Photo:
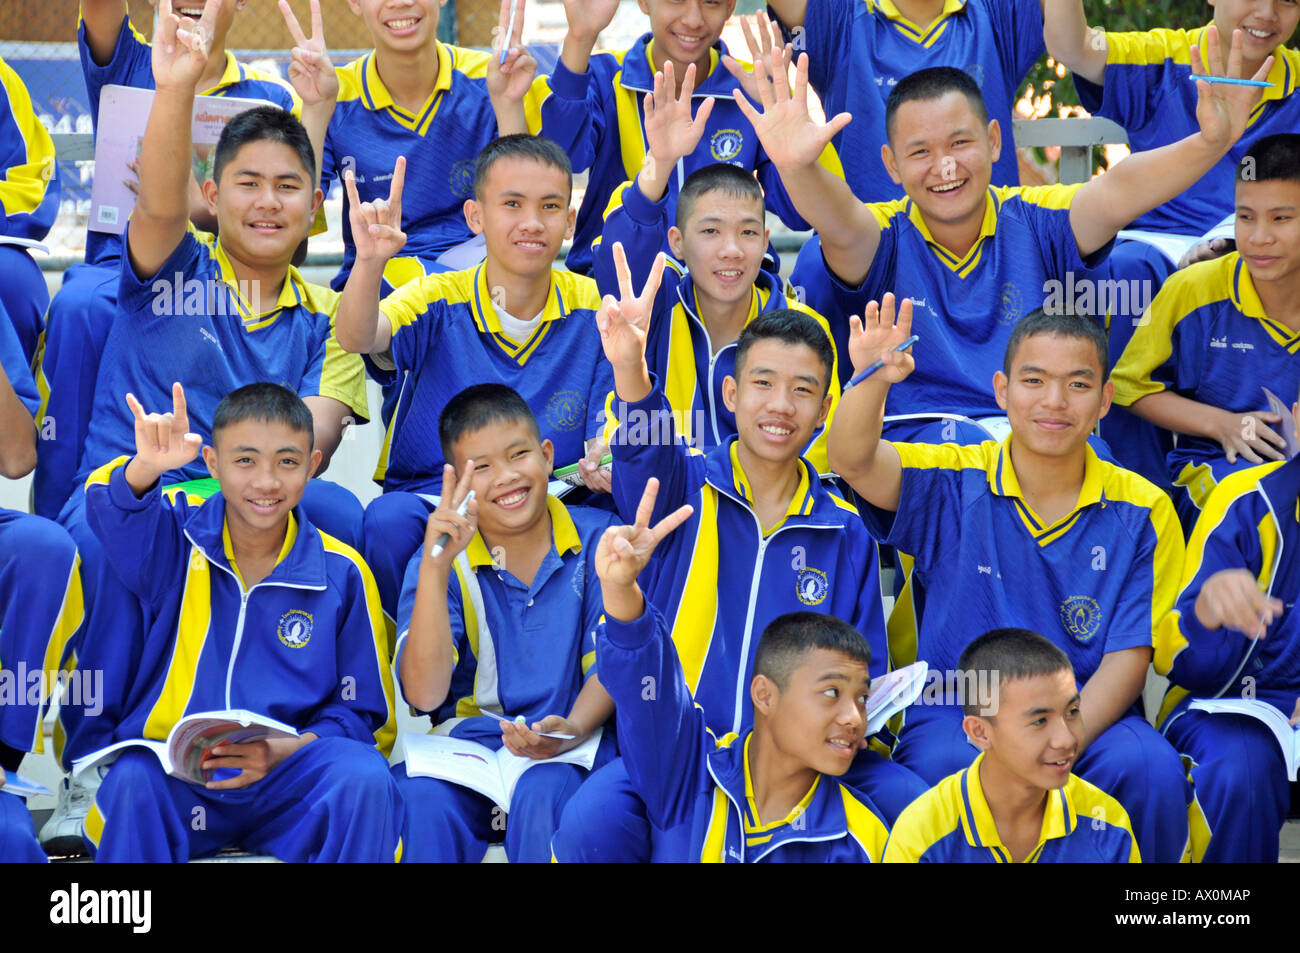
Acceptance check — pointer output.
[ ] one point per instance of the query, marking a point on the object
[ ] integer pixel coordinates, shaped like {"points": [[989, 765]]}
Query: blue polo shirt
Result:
{"points": [[1097, 580], [29, 187], [447, 336], [1206, 337], [191, 323], [964, 307], [1148, 93], [952, 824], [858, 50], [606, 138], [1252, 522], [518, 649], [132, 65]]}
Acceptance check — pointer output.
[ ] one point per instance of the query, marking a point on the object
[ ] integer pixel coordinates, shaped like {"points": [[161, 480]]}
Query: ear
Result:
{"points": [[355, 6], [1000, 383], [316, 199], [548, 454], [891, 166], [209, 191], [1295, 414], [314, 463], [826, 409], [977, 730], [729, 392], [210, 458], [240, 4], [995, 139], [764, 693], [474, 216], [1107, 397], [644, 6], [572, 222], [675, 241]]}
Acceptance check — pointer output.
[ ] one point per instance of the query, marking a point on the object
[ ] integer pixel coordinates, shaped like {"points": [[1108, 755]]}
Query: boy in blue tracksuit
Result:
{"points": [[605, 138], [1036, 532], [1018, 802], [1235, 631], [769, 793], [765, 538], [716, 283], [251, 607], [501, 634], [1220, 331]]}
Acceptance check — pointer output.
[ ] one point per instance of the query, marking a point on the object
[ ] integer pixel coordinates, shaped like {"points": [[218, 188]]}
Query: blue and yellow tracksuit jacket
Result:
{"points": [[307, 645], [697, 789]]}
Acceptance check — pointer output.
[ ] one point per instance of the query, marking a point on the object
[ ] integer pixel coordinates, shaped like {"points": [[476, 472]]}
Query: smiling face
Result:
{"points": [[685, 29], [819, 717], [522, 209], [1264, 24], [1268, 229], [263, 468], [722, 245], [1033, 740], [264, 204], [511, 470], [1055, 393], [400, 25], [779, 396], [942, 154]]}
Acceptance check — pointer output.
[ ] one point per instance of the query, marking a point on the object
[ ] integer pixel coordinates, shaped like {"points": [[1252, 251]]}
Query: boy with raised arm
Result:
{"points": [[513, 320], [498, 643], [766, 794], [1090, 551], [251, 607], [717, 282], [1235, 632], [1220, 331], [1018, 802], [765, 538], [975, 258]]}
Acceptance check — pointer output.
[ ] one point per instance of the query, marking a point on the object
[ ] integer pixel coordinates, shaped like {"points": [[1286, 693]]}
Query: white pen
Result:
{"points": [[445, 538], [510, 29]]}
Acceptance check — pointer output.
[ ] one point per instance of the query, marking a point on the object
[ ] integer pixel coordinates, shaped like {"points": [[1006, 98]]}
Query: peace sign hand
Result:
{"points": [[163, 441], [624, 551], [310, 71], [624, 322], [377, 226]]}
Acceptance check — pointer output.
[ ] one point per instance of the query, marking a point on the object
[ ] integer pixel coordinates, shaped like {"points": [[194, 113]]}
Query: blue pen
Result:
{"points": [[870, 369], [510, 29], [1228, 81]]}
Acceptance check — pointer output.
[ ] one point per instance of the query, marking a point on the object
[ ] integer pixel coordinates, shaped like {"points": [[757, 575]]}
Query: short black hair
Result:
{"points": [[257, 124], [477, 407], [788, 638], [792, 327], [1005, 655], [267, 402], [1271, 157], [522, 146], [719, 177], [934, 83], [1071, 325]]}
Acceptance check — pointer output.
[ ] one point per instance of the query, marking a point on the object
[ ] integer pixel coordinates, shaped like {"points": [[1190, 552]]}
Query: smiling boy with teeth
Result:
{"points": [[1091, 552], [1018, 802]]}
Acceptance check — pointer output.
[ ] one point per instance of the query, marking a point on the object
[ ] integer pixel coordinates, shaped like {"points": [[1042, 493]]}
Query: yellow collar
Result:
{"points": [[231, 75], [699, 80], [1003, 482], [987, 228], [915, 30], [291, 291], [801, 503], [563, 532], [378, 97], [1245, 298], [290, 534], [753, 824], [1059, 818]]}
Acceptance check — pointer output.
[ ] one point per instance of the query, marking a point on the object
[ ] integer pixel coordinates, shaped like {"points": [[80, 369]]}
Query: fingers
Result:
{"points": [[651, 287], [317, 23], [350, 186], [136, 410], [291, 21], [179, 408], [624, 273], [395, 188], [701, 117], [646, 507], [671, 522], [462, 485]]}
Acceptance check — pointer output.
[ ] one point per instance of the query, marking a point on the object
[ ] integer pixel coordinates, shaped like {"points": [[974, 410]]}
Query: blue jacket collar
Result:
{"points": [[770, 289], [303, 567], [638, 75], [815, 509], [1282, 490]]}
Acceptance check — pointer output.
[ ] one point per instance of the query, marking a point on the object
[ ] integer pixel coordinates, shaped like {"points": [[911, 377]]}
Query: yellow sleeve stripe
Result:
{"points": [[1149, 47], [24, 185], [103, 474]]}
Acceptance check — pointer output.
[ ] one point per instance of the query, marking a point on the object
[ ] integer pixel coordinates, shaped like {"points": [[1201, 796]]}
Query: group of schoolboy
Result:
{"points": [[713, 608]]}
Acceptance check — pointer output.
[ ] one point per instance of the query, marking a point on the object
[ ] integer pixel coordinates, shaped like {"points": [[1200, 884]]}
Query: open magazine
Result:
{"points": [[892, 692], [1288, 738], [123, 114], [493, 774], [181, 755]]}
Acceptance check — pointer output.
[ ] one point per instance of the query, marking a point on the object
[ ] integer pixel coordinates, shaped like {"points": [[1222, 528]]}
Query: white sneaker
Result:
{"points": [[61, 834]]}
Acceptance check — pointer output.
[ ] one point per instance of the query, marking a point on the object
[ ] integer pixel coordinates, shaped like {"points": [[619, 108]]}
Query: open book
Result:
{"points": [[892, 692], [1285, 426], [493, 774], [1288, 738], [123, 114], [15, 784], [181, 755]]}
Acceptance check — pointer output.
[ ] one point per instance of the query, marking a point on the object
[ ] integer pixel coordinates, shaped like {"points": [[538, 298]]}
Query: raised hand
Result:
{"points": [[623, 551], [874, 336], [785, 127], [377, 226], [445, 519], [1223, 110], [163, 441], [310, 71], [624, 322], [181, 46], [761, 38], [509, 81], [669, 129], [588, 18]]}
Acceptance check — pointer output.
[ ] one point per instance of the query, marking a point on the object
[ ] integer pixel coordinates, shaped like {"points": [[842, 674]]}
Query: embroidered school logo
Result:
{"points": [[811, 586], [564, 412], [462, 178], [1081, 617], [1012, 304], [726, 144], [294, 629]]}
